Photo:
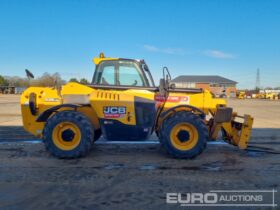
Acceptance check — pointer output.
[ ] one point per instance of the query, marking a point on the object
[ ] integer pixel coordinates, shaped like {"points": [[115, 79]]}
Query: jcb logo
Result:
{"points": [[114, 111]]}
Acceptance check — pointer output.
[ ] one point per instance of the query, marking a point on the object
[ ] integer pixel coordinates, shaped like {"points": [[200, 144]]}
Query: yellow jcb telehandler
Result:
{"points": [[271, 96], [123, 103], [241, 95]]}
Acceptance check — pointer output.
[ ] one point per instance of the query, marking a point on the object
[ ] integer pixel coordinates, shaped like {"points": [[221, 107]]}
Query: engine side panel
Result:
{"points": [[125, 114]]}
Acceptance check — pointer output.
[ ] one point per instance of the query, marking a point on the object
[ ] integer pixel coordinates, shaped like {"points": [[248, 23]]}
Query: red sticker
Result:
{"points": [[159, 98], [172, 99]]}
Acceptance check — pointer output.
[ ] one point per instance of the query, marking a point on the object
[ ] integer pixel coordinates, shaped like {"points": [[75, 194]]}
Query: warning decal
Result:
{"points": [[173, 99]]}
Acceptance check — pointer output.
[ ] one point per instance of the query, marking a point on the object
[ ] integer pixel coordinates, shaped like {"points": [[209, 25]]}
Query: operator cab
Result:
{"points": [[123, 72]]}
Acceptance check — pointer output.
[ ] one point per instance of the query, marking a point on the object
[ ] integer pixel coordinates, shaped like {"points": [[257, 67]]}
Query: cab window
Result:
{"points": [[105, 74], [119, 73], [130, 75], [108, 76]]}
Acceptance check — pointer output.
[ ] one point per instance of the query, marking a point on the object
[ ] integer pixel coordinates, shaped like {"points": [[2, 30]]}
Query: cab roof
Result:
{"points": [[101, 58]]}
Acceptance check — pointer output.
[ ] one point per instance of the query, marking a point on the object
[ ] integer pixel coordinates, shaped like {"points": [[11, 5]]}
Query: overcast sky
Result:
{"points": [[230, 38]]}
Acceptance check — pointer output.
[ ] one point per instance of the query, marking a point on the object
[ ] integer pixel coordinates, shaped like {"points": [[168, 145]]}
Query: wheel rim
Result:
{"points": [[66, 136], [184, 136]]}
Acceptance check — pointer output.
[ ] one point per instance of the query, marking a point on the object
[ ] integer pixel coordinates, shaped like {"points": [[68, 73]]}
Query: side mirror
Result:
{"points": [[29, 74]]}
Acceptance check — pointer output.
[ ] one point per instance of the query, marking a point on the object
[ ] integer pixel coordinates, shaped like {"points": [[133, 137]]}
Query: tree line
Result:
{"points": [[46, 80]]}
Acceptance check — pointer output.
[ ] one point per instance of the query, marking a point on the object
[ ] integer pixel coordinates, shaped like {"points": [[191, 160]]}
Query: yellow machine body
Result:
{"points": [[134, 112], [96, 99], [241, 95], [271, 96]]}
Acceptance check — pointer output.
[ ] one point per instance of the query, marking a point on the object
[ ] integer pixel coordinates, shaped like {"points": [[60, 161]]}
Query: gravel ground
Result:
{"points": [[122, 176]]}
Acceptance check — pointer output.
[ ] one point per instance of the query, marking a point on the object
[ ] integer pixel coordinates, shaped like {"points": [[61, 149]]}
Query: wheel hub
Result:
{"points": [[183, 136], [68, 135]]}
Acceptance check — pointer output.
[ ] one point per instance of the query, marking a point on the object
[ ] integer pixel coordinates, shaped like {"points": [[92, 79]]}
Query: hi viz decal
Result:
{"points": [[114, 111], [173, 99]]}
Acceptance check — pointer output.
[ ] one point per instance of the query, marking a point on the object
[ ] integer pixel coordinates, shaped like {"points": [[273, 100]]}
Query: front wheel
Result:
{"points": [[184, 135], [68, 134]]}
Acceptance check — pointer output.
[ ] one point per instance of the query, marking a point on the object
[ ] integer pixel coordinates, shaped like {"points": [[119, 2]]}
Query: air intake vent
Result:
{"points": [[107, 95]]}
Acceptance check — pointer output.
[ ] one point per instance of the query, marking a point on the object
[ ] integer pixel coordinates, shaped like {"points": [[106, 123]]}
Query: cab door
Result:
{"points": [[144, 104], [135, 100]]}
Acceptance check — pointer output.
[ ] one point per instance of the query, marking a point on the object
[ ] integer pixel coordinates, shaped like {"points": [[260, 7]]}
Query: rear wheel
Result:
{"points": [[68, 134], [184, 135]]}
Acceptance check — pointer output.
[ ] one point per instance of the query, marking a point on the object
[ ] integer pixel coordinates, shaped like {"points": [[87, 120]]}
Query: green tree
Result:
{"points": [[18, 81], [48, 80], [3, 81], [73, 80], [84, 81]]}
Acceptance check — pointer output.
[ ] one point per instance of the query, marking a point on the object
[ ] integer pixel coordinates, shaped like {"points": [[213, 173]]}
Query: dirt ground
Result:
{"points": [[126, 176]]}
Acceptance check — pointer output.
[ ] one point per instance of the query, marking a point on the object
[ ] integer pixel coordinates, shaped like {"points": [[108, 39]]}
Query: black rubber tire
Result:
{"points": [[83, 123], [180, 117]]}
